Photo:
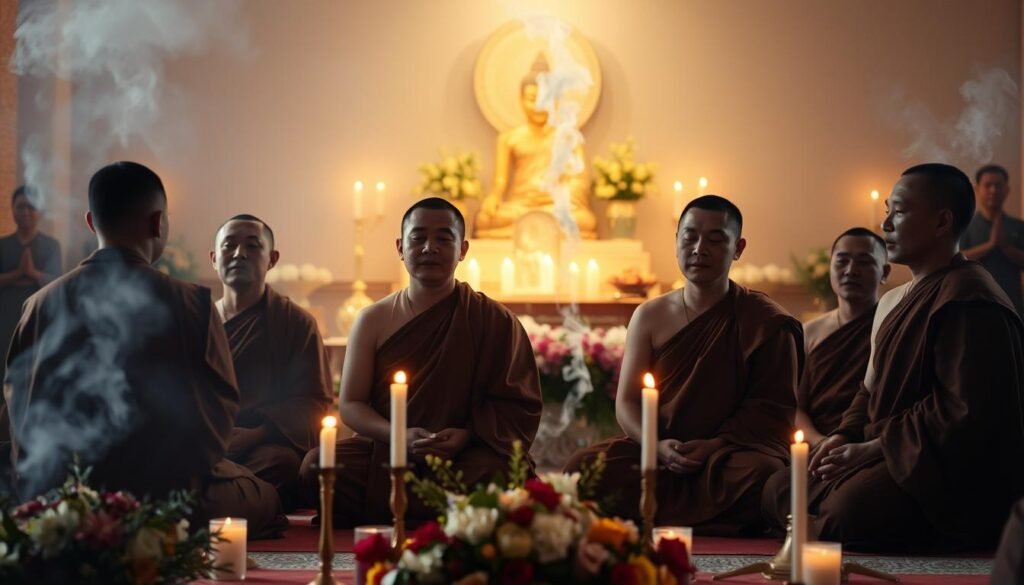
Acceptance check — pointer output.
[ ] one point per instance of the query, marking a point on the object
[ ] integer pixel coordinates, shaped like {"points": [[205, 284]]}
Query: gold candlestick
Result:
{"points": [[326, 576], [399, 503], [648, 506], [359, 299]]}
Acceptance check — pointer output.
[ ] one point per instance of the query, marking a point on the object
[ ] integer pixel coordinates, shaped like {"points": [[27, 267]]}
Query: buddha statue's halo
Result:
{"points": [[509, 59]]}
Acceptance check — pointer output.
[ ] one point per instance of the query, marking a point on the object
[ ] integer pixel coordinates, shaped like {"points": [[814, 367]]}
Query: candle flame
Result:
{"points": [[358, 186], [703, 182], [329, 422], [400, 377], [799, 437], [874, 195], [648, 380], [380, 185], [678, 185]]}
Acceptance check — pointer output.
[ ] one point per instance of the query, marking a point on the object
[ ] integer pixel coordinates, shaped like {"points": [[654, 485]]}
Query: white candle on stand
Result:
{"points": [[574, 281], [547, 274], [677, 202], [473, 274], [823, 562], [798, 503], [508, 276], [328, 437], [380, 199], [399, 396], [649, 419], [593, 279], [875, 226], [357, 200], [229, 552]]}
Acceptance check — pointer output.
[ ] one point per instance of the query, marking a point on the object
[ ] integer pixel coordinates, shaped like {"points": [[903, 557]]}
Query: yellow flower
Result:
{"points": [[621, 185], [376, 573], [470, 188], [615, 172], [608, 532], [605, 191], [628, 165], [435, 186], [641, 172], [637, 188], [449, 182], [646, 573], [451, 165], [433, 171]]}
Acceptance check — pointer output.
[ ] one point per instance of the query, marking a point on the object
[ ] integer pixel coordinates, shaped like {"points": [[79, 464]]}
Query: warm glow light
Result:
{"points": [[399, 377], [798, 437], [874, 195], [227, 521], [648, 380], [678, 185], [592, 263], [380, 185], [574, 267], [358, 186], [507, 262], [703, 182], [329, 422]]}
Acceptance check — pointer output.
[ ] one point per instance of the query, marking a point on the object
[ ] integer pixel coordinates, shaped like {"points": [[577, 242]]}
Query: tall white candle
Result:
{"points": [[798, 503], [823, 563], [473, 274], [229, 552], [547, 274], [677, 202], [380, 199], [703, 182], [328, 437], [508, 276], [649, 419], [357, 200], [574, 281], [593, 279], [875, 224], [399, 395]]}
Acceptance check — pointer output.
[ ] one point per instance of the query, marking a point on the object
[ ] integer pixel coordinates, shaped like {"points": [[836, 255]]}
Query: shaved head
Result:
{"points": [[123, 194], [267, 232]]}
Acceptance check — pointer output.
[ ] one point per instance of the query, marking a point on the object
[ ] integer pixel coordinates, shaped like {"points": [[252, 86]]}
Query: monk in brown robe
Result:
{"points": [[838, 343], [473, 383], [927, 455], [129, 369], [1008, 566], [280, 360], [726, 360]]}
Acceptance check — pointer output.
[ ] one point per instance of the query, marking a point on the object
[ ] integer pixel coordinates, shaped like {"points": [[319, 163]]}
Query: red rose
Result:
{"points": [[673, 554], [517, 572], [523, 516], [543, 493], [372, 549], [120, 502], [624, 574], [426, 535]]}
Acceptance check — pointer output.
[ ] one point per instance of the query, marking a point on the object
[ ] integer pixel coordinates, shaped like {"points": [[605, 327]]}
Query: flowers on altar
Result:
{"points": [[454, 177], [620, 177], [77, 535], [177, 261], [602, 351], [293, 273], [536, 530], [813, 273]]}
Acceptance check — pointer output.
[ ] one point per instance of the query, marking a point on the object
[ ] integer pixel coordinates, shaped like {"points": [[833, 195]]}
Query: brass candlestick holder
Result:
{"points": [[648, 506], [399, 504], [359, 300], [326, 576]]}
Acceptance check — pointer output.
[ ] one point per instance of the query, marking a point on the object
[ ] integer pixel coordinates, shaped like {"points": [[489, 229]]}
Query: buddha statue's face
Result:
{"points": [[528, 98]]}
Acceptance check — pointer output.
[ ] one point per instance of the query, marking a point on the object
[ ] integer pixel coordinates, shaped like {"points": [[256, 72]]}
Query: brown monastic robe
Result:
{"points": [[1008, 566], [129, 369], [946, 404], [470, 365], [284, 378], [834, 372], [731, 373]]}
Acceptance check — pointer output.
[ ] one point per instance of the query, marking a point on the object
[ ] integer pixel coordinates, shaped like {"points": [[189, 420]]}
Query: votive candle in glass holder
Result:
{"points": [[823, 563], [228, 541], [683, 533], [364, 532]]}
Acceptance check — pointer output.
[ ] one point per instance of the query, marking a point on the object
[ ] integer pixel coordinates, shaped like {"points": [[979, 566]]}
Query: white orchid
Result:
{"points": [[471, 523], [426, 564], [564, 483], [52, 529]]}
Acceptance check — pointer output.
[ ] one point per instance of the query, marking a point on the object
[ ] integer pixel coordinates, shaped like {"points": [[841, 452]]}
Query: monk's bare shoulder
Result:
{"points": [[818, 329], [375, 318], [890, 300]]}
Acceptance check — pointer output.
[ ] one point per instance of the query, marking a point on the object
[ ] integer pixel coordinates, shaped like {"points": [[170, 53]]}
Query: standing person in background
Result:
{"points": [[994, 238]]}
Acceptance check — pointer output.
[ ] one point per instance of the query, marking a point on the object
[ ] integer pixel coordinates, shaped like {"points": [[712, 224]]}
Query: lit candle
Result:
{"points": [[574, 281], [228, 548], [473, 274], [357, 200], [547, 274], [508, 276], [593, 279], [677, 204], [823, 563], [649, 418], [683, 533], [798, 502], [703, 182], [874, 210], [380, 199], [399, 395], [328, 437]]}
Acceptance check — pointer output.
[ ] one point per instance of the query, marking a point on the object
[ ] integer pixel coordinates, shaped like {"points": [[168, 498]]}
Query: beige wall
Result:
{"points": [[8, 116], [778, 103]]}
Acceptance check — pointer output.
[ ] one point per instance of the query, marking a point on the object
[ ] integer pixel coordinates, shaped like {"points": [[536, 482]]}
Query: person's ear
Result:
{"points": [[398, 246], [155, 224], [274, 257], [740, 246], [88, 221], [213, 259], [464, 249], [886, 270]]}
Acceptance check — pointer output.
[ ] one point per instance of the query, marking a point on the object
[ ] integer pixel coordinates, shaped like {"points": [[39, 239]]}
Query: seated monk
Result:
{"points": [[473, 384], [926, 455], [727, 361], [838, 343], [280, 360], [129, 369]]}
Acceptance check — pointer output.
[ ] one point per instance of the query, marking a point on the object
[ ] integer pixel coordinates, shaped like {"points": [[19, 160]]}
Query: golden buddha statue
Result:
{"points": [[523, 157]]}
